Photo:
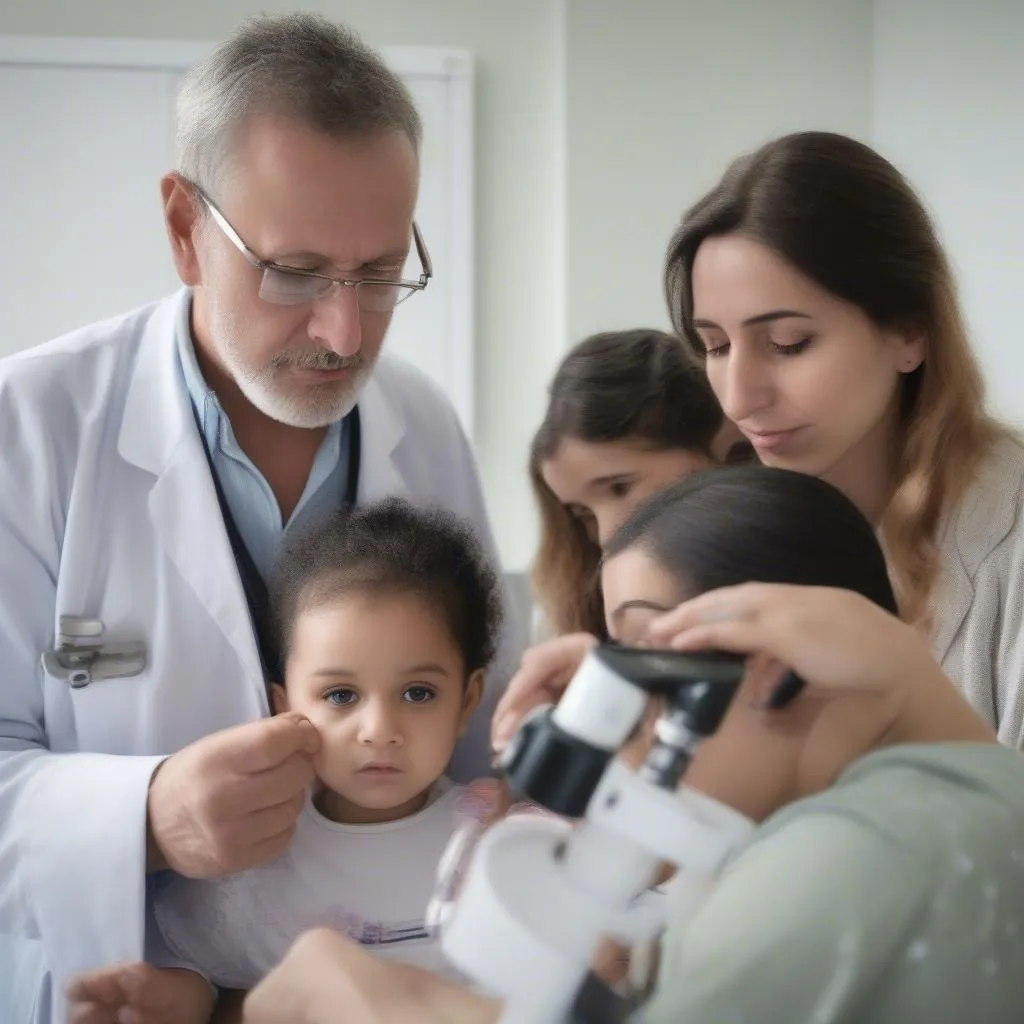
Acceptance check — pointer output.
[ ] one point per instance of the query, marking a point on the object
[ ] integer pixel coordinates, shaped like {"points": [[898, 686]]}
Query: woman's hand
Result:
{"points": [[834, 640], [544, 673], [326, 978]]}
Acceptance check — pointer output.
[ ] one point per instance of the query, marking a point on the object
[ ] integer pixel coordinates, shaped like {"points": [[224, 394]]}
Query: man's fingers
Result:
{"points": [[267, 822], [281, 783], [274, 741], [273, 845]]}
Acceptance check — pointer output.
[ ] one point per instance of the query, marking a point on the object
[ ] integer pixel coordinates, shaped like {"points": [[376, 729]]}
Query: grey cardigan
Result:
{"points": [[979, 602]]}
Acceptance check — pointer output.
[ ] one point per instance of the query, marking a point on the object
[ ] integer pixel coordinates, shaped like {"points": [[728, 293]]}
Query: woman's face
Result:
{"points": [[811, 381], [600, 483]]}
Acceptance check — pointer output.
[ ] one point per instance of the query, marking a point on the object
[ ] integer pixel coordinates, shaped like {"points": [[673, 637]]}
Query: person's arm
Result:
{"points": [[326, 978]]}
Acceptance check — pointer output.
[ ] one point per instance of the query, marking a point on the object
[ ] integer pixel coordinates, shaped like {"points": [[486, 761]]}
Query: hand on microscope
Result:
{"points": [[832, 639]]}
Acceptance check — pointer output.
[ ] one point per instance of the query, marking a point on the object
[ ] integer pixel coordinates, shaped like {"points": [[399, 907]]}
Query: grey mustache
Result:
{"points": [[321, 360]]}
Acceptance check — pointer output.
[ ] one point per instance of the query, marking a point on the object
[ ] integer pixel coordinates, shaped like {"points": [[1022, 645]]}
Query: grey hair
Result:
{"points": [[303, 67]]}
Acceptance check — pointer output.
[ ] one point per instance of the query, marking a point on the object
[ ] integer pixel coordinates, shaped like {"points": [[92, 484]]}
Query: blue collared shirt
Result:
{"points": [[249, 497]]}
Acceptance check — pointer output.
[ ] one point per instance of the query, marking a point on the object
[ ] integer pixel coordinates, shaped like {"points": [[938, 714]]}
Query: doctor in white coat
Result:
{"points": [[290, 217]]}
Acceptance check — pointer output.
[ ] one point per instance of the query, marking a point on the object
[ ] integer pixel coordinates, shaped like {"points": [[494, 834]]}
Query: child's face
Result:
{"points": [[381, 678]]}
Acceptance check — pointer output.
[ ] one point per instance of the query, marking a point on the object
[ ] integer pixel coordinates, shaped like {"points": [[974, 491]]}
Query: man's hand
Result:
{"points": [[326, 978], [231, 800], [139, 994]]}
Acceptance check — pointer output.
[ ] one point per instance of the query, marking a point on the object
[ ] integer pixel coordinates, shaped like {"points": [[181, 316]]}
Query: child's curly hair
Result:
{"points": [[392, 546]]}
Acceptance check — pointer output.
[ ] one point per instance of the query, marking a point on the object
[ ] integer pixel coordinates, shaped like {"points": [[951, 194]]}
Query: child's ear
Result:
{"points": [[471, 697], [278, 698]]}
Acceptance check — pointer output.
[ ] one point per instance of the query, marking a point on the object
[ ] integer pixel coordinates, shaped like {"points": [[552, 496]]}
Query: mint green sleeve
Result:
{"points": [[799, 929]]}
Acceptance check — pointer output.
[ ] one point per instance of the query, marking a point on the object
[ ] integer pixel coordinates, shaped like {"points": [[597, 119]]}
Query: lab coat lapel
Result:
{"points": [[159, 434]]}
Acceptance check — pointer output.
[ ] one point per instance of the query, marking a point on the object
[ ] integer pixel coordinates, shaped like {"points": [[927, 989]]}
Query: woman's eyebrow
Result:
{"points": [[761, 318]]}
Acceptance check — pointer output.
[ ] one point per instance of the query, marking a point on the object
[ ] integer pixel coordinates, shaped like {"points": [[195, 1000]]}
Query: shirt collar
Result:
{"points": [[205, 403]]}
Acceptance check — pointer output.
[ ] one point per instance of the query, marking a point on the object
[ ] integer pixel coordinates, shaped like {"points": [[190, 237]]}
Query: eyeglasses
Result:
{"points": [[293, 286]]}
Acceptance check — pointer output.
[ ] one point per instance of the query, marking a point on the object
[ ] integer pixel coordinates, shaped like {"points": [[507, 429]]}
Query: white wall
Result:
{"points": [[949, 112], [661, 96]]}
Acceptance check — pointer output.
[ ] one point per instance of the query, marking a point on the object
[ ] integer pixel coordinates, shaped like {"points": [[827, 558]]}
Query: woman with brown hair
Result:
{"points": [[813, 284], [628, 413]]}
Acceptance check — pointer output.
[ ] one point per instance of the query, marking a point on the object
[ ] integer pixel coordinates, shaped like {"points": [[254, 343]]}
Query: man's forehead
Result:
{"points": [[273, 146], [348, 201]]}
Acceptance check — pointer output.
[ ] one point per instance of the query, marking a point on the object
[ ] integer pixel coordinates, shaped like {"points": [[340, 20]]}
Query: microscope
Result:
{"points": [[541, 890]]}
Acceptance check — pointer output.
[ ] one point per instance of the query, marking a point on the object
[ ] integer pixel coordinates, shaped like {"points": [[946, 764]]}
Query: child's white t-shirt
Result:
{"points": [[370, 882]]}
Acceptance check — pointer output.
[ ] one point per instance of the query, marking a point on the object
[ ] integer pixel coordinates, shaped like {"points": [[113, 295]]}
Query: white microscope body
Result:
{"points": [[540, 892]]}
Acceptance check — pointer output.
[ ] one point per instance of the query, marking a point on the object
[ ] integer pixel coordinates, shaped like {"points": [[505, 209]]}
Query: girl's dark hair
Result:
{"points": [[746, 524], [845, 218], [639, 385], [392, 547]]}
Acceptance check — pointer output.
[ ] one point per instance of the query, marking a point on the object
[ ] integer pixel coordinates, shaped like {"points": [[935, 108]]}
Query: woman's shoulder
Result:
{"points": [[991, 510], [906, 797]]}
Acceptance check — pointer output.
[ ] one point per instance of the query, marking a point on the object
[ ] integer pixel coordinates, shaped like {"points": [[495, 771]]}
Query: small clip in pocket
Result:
{"points": [[79, 657]]}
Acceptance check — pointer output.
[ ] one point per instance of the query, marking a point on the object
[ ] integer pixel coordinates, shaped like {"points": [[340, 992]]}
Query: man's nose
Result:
{"points": [[336, 323]]}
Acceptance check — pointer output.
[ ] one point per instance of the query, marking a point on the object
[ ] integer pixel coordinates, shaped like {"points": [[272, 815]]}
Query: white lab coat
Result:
{"points": [[107, 511]]}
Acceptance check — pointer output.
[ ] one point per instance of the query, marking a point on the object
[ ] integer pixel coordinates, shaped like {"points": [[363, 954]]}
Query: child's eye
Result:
{"points": [[340, 698], [621, 488], [418, 694]]}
